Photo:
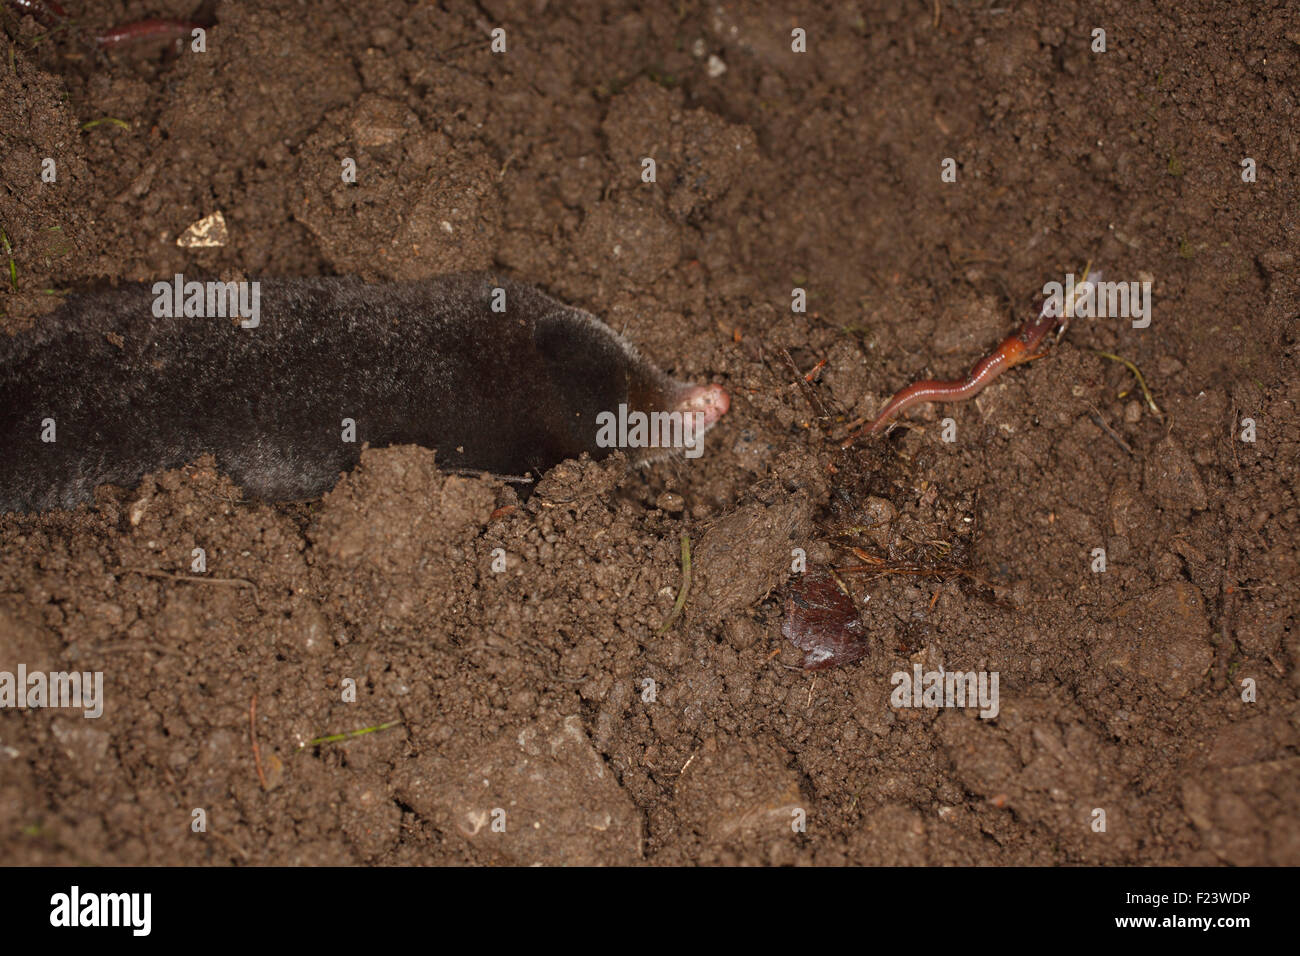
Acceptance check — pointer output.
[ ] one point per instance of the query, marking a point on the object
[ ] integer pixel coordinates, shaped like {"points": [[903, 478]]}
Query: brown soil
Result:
{"points": [[551, 691]]}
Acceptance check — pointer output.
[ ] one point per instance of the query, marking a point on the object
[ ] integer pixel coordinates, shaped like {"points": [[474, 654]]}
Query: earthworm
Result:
{"points": [[1014, 350], [153, 29]]}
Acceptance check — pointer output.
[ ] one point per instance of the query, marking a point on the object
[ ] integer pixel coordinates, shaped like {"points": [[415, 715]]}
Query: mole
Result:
{"points": [[494, 374]]}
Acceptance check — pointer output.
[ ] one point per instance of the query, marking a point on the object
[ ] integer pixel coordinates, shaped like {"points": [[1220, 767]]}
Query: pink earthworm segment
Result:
{"points": [[50, 11], [153, 29]]}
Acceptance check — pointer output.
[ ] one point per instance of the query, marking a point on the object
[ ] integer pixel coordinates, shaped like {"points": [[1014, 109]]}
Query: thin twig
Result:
{"points": [[106, 119], [686, 584], [348, 734], [228, 843], [479, 472], [1101, 420], [194, 579], [128, 646], [1137, 374], [13, 266], [1232, 440], [252, 735], [819, 409]]}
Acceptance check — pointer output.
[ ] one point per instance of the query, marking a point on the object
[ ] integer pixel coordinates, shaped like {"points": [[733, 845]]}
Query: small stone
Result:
{"points": [[1130, 510], [209, 232], [1133, 412], [741, 632], [671, 502], [136, 512], [273, 770], [1171, 478], [878, 517], [820, 552]]}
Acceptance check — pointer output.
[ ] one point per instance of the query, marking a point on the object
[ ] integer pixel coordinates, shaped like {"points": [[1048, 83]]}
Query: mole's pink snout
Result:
{"points": [[712, 400]]}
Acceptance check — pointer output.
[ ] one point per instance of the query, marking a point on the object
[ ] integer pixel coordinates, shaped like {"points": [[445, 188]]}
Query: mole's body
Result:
{"points": [[428, 363]]}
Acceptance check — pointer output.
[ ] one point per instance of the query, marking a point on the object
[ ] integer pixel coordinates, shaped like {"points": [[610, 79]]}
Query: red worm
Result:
{"points": [[152, 29], [1014, 350], [145, 30]]}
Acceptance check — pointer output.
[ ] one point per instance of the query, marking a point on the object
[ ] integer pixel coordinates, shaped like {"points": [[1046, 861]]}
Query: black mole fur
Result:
{"points": [[425, 363]]}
